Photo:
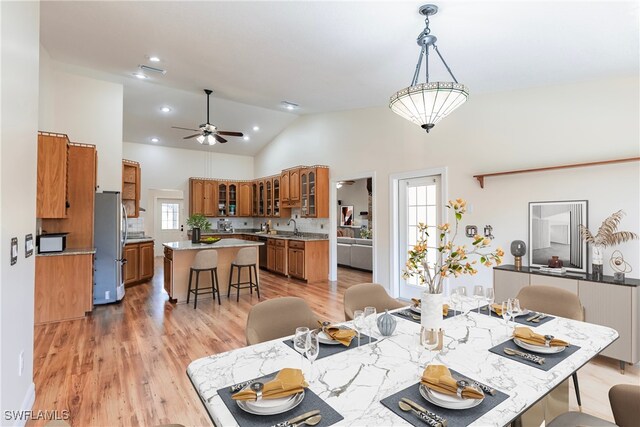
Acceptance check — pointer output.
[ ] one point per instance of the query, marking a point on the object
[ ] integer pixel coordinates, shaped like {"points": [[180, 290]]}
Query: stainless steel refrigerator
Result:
{"points": [[110, 236]]}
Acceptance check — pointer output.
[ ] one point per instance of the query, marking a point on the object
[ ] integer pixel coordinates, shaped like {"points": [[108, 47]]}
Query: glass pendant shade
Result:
{"points": [[211, 140], [200, 139], [426, 104]]}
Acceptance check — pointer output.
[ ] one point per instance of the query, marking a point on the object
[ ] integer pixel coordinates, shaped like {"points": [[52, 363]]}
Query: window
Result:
{"points": [[170, 216]]}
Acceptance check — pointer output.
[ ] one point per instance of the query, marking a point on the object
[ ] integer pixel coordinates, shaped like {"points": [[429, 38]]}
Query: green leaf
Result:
{"points": [[458, 216]]}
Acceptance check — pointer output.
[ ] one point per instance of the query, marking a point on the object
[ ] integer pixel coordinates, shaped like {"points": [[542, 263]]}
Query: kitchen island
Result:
{"points": [[179, 256]]}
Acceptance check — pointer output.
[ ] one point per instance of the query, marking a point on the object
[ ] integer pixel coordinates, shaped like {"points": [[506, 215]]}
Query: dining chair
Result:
{"points": [[277, 318], [364, 295], [557, 302], [624, 399]]}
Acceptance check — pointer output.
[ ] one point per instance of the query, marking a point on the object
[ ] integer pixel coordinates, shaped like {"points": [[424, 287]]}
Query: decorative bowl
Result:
{"points": [[210, 240]]}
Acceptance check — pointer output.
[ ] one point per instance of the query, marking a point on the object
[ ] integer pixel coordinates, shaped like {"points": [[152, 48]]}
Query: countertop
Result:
{"points": [[569, 275], [224, 243], [139, 240], [285, 235], [81, 251]]}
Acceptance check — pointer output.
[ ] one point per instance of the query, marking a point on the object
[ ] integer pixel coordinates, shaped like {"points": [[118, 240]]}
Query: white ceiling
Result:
{"points": [[326, 56]]}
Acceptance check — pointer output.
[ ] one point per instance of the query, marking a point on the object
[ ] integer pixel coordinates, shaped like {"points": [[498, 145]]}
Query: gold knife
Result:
{"points": [[297, 419], [420, 408]]}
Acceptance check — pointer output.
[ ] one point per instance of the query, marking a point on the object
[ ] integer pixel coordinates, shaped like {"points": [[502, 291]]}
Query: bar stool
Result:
{"points": [[205, 261], [246, 258]]}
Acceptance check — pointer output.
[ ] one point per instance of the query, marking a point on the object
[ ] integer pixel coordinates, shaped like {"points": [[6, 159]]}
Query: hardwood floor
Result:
{"points": [[126, 363]]}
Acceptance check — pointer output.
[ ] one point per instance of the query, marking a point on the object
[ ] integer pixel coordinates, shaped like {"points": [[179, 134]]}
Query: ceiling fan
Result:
{"points": [[208, 134]]}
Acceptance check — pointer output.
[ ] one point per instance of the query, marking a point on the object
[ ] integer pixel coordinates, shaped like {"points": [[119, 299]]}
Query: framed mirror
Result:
{"points": [[554, 230]]}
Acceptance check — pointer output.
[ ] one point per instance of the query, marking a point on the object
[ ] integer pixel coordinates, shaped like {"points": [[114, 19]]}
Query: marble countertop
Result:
{"points": [[139, 239], [81, 251], [353, 382], [224, 243], [307, 237]]}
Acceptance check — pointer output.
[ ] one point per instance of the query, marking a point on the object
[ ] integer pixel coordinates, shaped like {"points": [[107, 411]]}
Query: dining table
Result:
{"points": [[356, 381]]}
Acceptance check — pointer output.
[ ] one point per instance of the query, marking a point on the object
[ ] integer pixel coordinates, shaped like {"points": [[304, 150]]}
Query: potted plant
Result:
{"points": [[198, 223], [451, 261]]}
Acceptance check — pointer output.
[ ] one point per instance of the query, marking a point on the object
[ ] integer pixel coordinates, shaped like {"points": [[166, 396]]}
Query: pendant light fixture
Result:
{"points": [[425, 104]]}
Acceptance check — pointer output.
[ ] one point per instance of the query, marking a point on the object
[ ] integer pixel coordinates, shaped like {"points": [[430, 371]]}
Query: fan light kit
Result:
{"points": [[425, 104], [208, 134]]}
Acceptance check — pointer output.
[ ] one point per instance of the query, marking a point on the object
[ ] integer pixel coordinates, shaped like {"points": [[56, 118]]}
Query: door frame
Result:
{"points": [[333, 222], [150, 215], [394, 223]]}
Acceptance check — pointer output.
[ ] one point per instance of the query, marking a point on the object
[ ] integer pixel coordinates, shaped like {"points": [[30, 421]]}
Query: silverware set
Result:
{"points": [[536, 317], [310, 418], [430, 418], [409, 314], [238, 387], [527, 356]]}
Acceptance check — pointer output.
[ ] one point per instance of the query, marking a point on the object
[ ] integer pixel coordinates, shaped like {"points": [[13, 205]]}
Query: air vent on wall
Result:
{"points": [[153, 69]]}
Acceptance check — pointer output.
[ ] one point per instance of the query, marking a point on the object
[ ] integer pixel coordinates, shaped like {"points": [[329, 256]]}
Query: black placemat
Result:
{"points": [[404, 314], [550, 360], [455, 417], [520, 319], [331, 349], [310, 402]]}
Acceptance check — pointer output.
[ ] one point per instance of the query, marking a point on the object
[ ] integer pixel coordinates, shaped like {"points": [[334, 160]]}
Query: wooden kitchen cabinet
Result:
{"points": [[233, 199], [268, 188], [63, 287], [210, 201], [290, 188], [51, 196], [131, 187], [245, 194], [254, 196], [261, 198], [276, 197], [284, 187], [196, 196], [139, 265], [276, 256], [314, 192], [168, 271], [308, 260]]}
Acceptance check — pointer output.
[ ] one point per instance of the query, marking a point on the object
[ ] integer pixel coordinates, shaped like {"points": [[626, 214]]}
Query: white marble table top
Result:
{"points": [[185, 245], [353, 382]]}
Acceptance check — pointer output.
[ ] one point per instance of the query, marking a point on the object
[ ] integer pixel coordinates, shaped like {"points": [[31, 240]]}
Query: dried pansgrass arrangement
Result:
{"points": [[608, 234]]}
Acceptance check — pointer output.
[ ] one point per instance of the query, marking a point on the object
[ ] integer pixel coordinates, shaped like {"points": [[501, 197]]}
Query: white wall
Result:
{"points": [[19, 36], [88, 111], [573, 123]]}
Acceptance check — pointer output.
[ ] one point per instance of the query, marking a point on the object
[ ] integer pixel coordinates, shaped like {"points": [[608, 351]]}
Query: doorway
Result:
{"points": [[168, 218]]}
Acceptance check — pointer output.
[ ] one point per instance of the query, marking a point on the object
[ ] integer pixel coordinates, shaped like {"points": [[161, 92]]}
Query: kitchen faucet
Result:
{"points": [[296, 232]]}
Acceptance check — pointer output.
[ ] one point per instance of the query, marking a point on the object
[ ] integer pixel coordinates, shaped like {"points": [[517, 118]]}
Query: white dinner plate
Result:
{"points": [[523, 313], [447, 401], [538, 348], [271, 406], [416, 309], [324, 338]]}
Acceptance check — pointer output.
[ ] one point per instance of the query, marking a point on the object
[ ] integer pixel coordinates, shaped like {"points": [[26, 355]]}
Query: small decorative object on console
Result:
{"points": [[619, 266], [518, 250], [555, 262]]}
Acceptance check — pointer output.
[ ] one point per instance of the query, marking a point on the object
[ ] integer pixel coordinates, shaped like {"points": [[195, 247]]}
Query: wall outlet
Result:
{"points": [[21, 363], [245, 223], [321, 226]]}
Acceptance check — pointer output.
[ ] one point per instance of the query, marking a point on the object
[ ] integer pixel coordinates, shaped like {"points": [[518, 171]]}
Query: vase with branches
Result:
{"points": [[607, 235]]}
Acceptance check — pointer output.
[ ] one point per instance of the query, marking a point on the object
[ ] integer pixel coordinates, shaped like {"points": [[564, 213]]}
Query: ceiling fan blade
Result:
{"points": [[176, 127], [226, 133], [219, 138], [192, 136]]}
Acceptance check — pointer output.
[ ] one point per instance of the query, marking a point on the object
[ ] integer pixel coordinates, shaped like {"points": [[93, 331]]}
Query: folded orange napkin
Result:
{"points": [[286, 383], [527, 335], [445, 309], [343, 336], [497, 308], [438, 378], [416, 302]]}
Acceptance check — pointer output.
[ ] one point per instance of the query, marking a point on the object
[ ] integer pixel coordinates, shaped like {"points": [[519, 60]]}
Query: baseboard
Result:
{"points": [[27, 403]]}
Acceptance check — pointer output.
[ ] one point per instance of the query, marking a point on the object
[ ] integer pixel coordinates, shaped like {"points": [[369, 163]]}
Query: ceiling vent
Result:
{"points": [[149, 69]]}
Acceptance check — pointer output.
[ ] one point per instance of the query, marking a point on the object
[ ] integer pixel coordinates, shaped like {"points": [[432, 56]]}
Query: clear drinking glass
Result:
{"points": [[312, 349], [505, 314], [370, 320], [455, 300], [478, 295], [358, 322], [490, 296], [515, 310], [300, 341], [429, 340], [462, 293]]}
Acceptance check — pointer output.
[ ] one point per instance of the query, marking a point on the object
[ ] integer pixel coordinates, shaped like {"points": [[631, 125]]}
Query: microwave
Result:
{"points": [[53, 242]]}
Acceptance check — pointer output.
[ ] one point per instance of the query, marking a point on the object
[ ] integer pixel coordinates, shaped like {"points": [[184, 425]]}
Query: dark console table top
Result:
{"points": [[569, 275]]}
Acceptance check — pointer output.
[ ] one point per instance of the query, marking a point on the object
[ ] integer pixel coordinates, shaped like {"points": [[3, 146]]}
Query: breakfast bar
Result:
{"points": [[179, 257]]}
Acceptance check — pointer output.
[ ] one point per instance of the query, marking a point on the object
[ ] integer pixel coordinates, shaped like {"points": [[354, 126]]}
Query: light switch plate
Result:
{"points": [[470, 230], [14, 250], [28, 245]]}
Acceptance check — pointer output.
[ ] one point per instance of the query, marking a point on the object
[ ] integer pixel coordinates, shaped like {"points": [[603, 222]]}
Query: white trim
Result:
{"points": [[27, 404], [333, 222], [394, 256]]}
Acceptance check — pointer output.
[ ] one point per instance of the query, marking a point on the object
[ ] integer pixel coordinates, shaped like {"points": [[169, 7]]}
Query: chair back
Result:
{"points": [[625, 404], [555, 301], [357, 297], [246, 256], [206, 259], [277, 318]]}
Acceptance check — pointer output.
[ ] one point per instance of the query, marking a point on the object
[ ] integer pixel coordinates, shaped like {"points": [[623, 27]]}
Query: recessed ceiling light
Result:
{"points": [[154, 139], [289, 105], [256, 128], [246, 137], [154, 59], [140, 75], [165, 109]]}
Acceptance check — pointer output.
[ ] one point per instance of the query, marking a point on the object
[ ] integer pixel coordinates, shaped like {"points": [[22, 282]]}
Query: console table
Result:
{"points": [[606, 302]]}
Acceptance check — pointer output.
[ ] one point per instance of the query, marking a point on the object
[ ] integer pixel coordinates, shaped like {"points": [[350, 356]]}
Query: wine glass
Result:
{"points": [[429, 339], [515, 310], [300, 341], [312, 349], [370, 319], [490, 296], [462, 293], [478, 295], [358, 322], [455, 300], [505, 314]]}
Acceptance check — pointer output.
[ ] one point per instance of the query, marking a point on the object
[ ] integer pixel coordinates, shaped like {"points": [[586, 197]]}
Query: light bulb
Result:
{"points": [[200, 139], [211, 140]]}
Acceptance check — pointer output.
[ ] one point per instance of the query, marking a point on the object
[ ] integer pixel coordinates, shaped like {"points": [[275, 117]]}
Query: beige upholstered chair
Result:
{"points": [[625, 405], [277, 318], [364, 295], [557, 302]]}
